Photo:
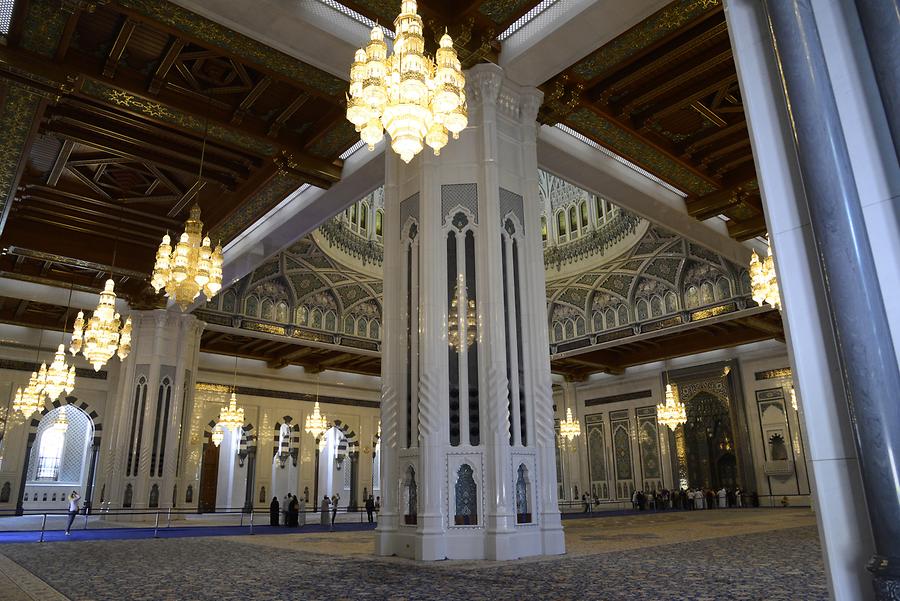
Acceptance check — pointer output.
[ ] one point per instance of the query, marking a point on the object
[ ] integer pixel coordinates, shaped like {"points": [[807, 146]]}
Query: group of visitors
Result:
{"points": [[292, 511], [694, 498]]}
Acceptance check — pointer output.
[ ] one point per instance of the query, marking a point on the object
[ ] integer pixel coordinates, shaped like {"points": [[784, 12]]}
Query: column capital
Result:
{"points": [[483, 83]]}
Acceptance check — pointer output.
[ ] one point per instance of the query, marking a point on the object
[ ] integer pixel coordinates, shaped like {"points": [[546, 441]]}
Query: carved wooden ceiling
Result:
{"points": [[110, 108], [665, 96]]}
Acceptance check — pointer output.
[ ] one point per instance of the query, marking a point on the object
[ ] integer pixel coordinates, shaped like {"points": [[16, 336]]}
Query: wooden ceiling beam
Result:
{"points": [[714, 203], [747, 228], [118, 48], [250, 98], [675, 102], [168, 59]]}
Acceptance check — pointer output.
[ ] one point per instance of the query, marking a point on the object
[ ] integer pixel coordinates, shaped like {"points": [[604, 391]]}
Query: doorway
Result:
{"points": [[209, 475]]}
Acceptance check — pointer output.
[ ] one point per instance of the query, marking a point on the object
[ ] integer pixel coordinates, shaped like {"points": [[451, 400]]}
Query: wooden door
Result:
{"points": [[209, 475]]}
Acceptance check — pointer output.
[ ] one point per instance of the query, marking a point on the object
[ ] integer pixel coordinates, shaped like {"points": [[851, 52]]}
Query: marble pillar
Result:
{"points": [[461, 422]]}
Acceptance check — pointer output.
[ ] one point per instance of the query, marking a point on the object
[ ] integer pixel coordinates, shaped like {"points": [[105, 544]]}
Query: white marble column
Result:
{"points": [[471, 215]]}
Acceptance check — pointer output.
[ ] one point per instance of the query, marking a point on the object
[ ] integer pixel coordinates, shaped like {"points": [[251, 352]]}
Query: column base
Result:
{"points": [[886, 580]]}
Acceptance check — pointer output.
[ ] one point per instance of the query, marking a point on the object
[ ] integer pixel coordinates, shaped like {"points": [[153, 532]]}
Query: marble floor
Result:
{"points": [[750, 554]]}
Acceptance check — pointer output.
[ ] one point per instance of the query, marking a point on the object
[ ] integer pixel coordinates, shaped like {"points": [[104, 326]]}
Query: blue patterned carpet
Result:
{"points": [[777, 565]]}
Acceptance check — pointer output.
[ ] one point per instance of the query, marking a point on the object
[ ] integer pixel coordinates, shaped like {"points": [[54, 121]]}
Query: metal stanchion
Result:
{"points": [[169, 518], [85, 520], [242, 520], [251, 521], [43, 525], [156, 527]]}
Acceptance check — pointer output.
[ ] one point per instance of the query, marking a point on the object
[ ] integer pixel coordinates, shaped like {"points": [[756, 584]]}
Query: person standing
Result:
{"points": [[74, 497], [723, 498], [285, 508], [274, 510], [323, 512], [737, 498], [334, 506], [370, 508]]}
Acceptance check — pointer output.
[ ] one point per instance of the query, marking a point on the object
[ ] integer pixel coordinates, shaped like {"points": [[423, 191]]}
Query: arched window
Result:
{"points": [[656, 307], [560, 224], [723, 289], [353, 215], [50, 453], [598, 208], [610, 317], [375, 330], [692, 297], [364, 218], [598, 321], [543, 228], [642, 310], [557, 331], [579, 326], [267, 310], [281, 312], [583, 210], [362, 327], [523, 515], [573, 220], [671, 302], [127, 497], [570, 329], [315, 318], [622, 317], [229, 301], [154, 496], [466, 513], [349, 325], [330, 321], [707, 296], [379, 223], [302, 315], [251, 306]]}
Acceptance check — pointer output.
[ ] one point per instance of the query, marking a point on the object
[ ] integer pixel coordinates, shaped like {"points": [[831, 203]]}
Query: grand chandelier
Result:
{"points": [[59, 377], [191, 268], [408, 94], [461, 334], [763, 281], [28, 401], [570, 427], [103, 335], [672, 413], [316, 422], [218, 435], [231, 416]]}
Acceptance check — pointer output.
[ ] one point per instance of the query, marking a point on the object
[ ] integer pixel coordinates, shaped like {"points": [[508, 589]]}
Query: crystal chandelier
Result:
{"points": [[28, 401], [456, 339], [191, 268], [59, 377], [218, 435], [103, 335], [62, 420], [416, 99], [231, 416], [672, 413], [570, 427], [763, 281], [316, 422]]}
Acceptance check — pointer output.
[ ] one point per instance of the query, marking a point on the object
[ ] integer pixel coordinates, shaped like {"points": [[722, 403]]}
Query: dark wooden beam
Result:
{"points": [[286, 114], [118, 48], [168, 59], [250, 98], [677, 101], [747, 228]]}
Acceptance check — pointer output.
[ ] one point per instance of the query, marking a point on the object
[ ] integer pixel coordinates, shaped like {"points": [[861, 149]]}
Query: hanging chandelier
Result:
{"points": [[416, 99], [570, 427], [191, 268], [104, 335], [62, 420], [672, 413], [316, 422], [59, 377], [763, 281], [455, 336], [28, 401], [232, 416], [218, 435]]}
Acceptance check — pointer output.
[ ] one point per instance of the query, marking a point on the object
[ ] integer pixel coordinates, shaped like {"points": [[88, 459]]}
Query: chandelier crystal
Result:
{"points": [[672, 413], [104, 335], [416, 99], [218, 435], [469, 325], [316, 422], [191, 268], [59, 377], [28, 401], [570, 427], [763, 281], [231, 416]]}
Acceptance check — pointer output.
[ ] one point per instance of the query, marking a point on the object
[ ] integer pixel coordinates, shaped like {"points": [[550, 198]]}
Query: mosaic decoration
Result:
{"points": [[242, 46], [20, 108], [501, 11], [633, 148], [521, 492], [466, 496], [43, 27], [647, 32], [648, 443], [622, 450], [596, 451], [335, 141]]}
